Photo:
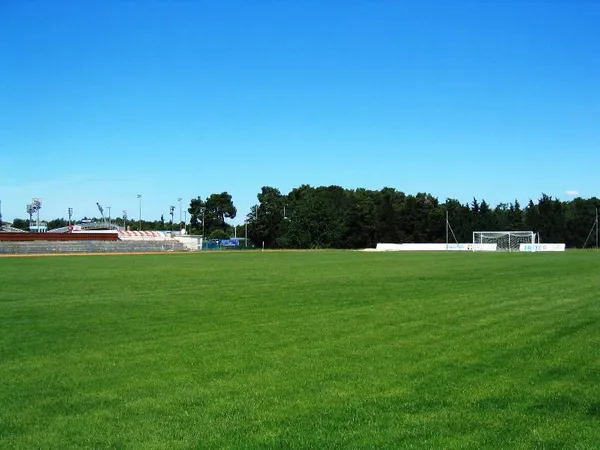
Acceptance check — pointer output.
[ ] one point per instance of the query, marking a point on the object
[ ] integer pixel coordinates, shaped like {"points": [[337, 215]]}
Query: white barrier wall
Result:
{"points": [[435, 247], [190, 242], [410, 247], [472, 247], [143, 236], [88, 231], [542, 248]]}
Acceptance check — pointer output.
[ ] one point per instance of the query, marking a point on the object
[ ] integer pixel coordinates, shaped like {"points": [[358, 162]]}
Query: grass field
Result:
{"points": [[301, 350]]}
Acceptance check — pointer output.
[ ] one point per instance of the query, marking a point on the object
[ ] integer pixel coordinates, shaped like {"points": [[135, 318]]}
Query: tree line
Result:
{"points": [[133, 224], [335, 217]]}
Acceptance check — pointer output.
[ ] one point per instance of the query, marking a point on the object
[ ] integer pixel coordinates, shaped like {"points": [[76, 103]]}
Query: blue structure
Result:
{"points": [[215, 244], [230, 243]]}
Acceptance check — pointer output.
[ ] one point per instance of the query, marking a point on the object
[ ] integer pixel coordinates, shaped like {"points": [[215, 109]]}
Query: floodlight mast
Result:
{"points": [[30, 211], [139, 196], [171, 211], [179, 200], [39, 206], [36, 205]]}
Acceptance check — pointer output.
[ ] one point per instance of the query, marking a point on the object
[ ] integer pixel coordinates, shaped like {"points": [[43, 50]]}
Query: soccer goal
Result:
{"points": [[507, 241]]}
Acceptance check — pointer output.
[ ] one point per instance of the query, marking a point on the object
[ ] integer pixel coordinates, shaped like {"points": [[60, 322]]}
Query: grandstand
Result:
{"points": [[87, 226], [96, 237], [8, 229], [89, 246]]}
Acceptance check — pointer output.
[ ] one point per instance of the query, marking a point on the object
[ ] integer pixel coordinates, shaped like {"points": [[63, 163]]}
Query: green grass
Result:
{"points": [[301, 350]]}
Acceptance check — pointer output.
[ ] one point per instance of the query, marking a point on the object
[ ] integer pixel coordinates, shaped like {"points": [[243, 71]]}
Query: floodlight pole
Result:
{"points": [[0, 213], [37, 205], [29, 210], [179, 200], [139, 196], [172, 210]]}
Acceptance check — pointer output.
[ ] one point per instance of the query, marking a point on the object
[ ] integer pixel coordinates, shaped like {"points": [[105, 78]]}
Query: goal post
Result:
{"points": [[507, 241]]}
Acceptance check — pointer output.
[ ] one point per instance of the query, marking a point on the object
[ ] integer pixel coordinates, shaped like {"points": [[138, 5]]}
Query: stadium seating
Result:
{"points": [[9, 229], [41, 247]]}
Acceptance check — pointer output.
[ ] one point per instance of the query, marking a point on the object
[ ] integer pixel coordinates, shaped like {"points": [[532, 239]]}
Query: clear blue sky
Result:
{"points": [[100, 101]]}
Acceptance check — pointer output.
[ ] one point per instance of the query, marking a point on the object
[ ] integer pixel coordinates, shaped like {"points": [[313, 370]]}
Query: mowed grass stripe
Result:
{"points": [[301, 350]]}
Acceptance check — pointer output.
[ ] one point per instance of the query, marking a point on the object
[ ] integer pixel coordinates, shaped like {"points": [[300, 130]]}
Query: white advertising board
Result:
{"points": [[435, 247], [542, 248], [471, 247]]}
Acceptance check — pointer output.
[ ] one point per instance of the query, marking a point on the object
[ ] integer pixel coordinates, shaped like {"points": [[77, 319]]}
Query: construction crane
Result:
{"points": [[101, 211]]}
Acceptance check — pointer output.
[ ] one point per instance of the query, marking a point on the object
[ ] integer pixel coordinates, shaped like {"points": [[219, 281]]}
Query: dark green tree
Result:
{"points": [[361, 228], [388, 216], [515, 217], [21, 224], [266, 220], [210, 214], [580, 216], [531, 217], [460, 219], [500, 216], [487, 219], [317, 217], [57, 223], [552, 219], [219, 234]]}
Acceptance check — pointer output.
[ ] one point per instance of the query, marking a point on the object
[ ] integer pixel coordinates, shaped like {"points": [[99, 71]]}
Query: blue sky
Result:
{"points": [[100, 101]]}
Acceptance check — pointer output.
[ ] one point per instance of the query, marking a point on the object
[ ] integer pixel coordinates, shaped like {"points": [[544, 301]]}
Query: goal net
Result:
{"points": [[507, 241]]}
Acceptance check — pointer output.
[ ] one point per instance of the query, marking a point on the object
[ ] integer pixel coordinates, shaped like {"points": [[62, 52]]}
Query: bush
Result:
{"points": [[219, 234]]}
